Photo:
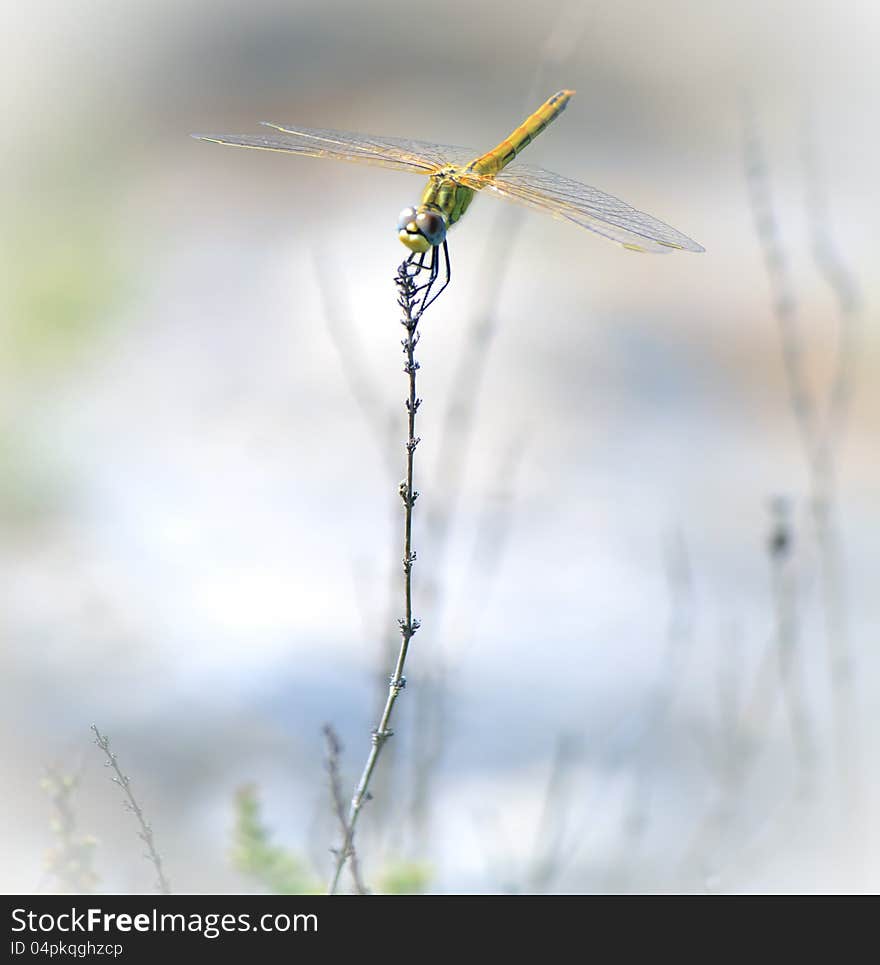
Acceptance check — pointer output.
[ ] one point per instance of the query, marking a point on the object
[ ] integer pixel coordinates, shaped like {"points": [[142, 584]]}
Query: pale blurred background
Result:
{"points": [[617, 686]]}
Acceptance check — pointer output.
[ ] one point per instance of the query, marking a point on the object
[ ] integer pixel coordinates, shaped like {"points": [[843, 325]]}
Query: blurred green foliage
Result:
{"points": [[255, 854], [281, 872], [65, 260], [70, 859], [63, 272], [64, 277], [404, 878]]}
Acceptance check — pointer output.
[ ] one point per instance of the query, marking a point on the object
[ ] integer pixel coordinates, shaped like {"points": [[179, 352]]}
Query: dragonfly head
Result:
{"points": [[421, 228]]}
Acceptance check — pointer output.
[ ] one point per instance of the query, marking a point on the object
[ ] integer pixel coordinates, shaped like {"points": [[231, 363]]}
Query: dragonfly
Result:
{"points": [[456, 174]]}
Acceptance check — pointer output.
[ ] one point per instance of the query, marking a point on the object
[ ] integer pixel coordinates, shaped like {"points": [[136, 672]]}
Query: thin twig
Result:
{"points": [[334, 749], [730, 747], [742, 736], [779, 548], [453, 449], [146, 830], [819, 437], [407, 299], [785, 306], [744, 730], [552, 841], [832, 268]]}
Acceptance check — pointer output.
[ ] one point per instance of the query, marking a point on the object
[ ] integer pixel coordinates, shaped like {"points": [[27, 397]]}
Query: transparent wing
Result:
{"points": [[524, 184], [589, 207], [417, 157]]}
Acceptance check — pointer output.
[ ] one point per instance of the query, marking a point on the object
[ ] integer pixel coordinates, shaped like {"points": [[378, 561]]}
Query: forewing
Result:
{"points": [[586, 206], [417, 157]]}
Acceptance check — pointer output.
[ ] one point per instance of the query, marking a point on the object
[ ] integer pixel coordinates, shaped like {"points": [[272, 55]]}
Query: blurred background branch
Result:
{"points": [[131, 804], [820, 417]]}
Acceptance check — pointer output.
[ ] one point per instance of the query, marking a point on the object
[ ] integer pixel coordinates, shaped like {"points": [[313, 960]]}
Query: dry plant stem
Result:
{"points": [[552, 844], [788, 642], [452, 455], [146, 831], [743, 732], [819, 437], [745, 724], [823, 503], [334, 749], [408, 624], [730, 754]]}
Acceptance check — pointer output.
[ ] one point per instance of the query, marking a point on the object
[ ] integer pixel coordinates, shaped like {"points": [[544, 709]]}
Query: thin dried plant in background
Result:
{"points": [[820, 419], [334, 749], [130, 803]]}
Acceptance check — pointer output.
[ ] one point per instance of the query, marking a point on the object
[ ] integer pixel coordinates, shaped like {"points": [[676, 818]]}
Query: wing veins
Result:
{"points": [[417, 157], [586, 206]]}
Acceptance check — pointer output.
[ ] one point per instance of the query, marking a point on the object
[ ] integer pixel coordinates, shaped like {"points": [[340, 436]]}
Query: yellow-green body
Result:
{"points": [[447, 194]]}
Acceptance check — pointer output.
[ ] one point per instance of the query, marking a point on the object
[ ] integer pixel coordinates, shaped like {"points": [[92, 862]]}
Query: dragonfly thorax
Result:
{"points": [[421, 228]]}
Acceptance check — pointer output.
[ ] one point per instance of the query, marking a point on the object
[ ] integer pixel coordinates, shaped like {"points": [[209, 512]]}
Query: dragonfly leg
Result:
{"points": [[427, 298], [420, 266], [416, 264], [431, 268], [424, 290]]}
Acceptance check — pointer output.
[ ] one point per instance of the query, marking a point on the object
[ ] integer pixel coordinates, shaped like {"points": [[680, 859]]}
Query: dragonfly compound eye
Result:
{"points": [[432, 226], [407, 216]]}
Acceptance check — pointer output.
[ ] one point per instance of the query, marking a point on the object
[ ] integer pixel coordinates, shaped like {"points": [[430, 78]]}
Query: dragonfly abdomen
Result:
{"points": [[499, 157]]}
